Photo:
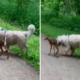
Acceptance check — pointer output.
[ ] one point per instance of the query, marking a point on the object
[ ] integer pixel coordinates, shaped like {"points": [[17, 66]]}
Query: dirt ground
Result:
{"points": [[15, 68], [61, 68]]}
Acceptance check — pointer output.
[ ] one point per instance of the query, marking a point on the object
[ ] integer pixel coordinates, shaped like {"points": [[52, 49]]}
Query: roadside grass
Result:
{"points": [[53, 32], [33, 57]]}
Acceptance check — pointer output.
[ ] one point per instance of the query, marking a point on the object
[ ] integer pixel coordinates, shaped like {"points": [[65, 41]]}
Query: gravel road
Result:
{"points": [[15, 68], [62, 68]]}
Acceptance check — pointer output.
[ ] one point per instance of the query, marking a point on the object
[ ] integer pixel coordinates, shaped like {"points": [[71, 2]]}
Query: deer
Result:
{"points": [[53, 43], [2, 44]]}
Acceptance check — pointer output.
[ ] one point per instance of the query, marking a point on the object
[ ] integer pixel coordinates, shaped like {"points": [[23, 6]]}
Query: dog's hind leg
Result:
{"points": [[7, 51], [72, 51], [27, 47], [21, 48], [20, 44]]}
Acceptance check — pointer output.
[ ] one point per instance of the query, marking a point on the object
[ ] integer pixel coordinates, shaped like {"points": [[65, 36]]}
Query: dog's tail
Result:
{"points": [[31, 28]]}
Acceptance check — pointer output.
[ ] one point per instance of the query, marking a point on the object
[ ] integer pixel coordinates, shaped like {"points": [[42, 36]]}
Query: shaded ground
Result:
{"points": [[62, 68], [15, 68]]}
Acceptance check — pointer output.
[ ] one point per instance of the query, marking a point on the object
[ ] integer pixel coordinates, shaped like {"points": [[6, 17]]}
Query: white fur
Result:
{"points": [[0, 28], [71, 41], [18, 38]]}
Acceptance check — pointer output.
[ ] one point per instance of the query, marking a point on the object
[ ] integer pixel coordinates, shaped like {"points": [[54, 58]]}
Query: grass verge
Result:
{"points": [[53, 32]]}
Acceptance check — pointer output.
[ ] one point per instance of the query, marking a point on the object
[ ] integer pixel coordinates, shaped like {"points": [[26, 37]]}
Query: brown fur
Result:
{"points": [[2, 45], [53, 42]]}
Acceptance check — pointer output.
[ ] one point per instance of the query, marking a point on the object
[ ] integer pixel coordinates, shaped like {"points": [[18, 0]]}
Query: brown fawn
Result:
{"points": [[2, 45], [53, 42]]}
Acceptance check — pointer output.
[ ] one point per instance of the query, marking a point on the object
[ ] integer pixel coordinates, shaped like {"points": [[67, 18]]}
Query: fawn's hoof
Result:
{"points": [[8, 57]]}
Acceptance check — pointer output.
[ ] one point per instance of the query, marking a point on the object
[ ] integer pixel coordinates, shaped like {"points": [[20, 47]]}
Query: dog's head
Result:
{"points": [[61, 40]]}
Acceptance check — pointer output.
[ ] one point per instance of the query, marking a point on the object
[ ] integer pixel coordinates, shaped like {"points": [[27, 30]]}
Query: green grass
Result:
{"points": [[33, 42], [7, 26], [53, 32]]}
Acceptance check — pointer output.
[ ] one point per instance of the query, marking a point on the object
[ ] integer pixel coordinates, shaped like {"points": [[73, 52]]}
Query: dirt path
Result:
{"points": [[62, 68], [15, 68]]}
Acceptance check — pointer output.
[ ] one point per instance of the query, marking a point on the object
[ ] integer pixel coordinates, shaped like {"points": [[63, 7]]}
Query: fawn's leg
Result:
{"points": [[1, 52], [50, 49], [54, 50]]}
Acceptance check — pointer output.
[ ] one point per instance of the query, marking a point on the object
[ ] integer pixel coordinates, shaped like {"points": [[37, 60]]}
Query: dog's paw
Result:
{"points": [[49, 54], [56, 56]]}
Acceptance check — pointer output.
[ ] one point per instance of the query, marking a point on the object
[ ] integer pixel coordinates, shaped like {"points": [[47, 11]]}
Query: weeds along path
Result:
{"points": [[15, 68], [62, 68]]}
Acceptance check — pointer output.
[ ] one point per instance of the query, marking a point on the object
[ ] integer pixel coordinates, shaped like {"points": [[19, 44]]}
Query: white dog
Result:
{"points": [[18, 38], [71, 42]]}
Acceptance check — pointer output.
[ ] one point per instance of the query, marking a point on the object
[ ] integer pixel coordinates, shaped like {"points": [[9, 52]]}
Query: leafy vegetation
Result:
{"points": [[61, 13], [53, 32], [20, 13], [33, 56]]}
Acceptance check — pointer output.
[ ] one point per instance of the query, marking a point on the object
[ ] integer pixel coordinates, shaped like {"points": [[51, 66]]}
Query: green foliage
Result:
{"points": [[53, 32], [61, 3], [66, 23], [77, 6], [20, 12]]}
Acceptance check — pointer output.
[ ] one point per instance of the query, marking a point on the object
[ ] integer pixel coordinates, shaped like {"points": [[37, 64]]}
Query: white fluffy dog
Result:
{"points": [[71, 42], [18, 38]]}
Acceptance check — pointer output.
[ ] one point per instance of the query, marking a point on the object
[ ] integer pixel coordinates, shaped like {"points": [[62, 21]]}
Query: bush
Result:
{"points": [[70, 24], [20, 14]]}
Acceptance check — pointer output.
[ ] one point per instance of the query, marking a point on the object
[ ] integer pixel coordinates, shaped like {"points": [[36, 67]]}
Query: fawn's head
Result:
{"points": [[47, 38]]}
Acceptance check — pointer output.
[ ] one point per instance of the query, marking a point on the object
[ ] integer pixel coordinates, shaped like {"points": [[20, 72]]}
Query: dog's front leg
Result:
{"points": [[57, 53], [66, 50], [72, 51]]}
